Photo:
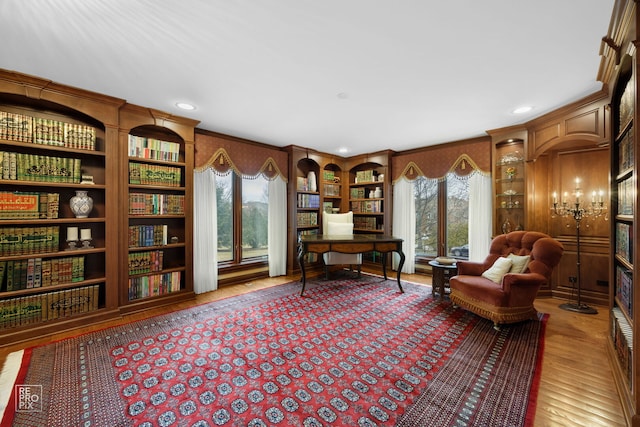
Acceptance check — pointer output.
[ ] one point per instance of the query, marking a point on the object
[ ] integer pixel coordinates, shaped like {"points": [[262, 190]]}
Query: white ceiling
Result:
{"points": [[363, 74]]}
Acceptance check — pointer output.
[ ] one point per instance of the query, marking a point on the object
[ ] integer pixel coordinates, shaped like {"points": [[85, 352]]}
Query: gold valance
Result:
{"points": [[435, 162], [224, 154]]}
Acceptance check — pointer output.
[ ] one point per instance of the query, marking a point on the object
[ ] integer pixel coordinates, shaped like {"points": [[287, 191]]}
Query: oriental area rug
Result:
{"points": [[351, 352]]}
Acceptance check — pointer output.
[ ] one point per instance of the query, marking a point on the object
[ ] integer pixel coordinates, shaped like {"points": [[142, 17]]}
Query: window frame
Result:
{"points": [[237, 263]]}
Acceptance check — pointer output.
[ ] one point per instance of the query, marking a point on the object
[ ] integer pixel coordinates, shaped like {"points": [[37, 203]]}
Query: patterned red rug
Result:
{"points": [[351, 352]]}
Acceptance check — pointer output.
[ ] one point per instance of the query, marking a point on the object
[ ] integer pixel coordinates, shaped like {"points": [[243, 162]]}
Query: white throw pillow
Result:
{"points": [[519, 263], [339, 228], [499, 268]]}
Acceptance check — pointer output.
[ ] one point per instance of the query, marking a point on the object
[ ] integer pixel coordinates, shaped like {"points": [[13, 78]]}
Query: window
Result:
{"points": [[242, 209], [224, 200], [255, 198], [457, 222], [426, 198], [442, 217]]}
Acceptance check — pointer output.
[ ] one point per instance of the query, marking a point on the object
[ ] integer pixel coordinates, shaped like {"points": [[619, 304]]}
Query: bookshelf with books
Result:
{"points": [[331, 181], [370, 195], [304, 202], [156, 228], [56, 141], [623, 297]]}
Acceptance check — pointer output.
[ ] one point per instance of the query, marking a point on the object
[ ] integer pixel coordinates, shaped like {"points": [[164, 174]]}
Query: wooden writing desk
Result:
{"points": [[350, 244]]}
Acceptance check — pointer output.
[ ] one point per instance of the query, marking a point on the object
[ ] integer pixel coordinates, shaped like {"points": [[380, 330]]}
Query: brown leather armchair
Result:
{"points": [[510, 300]]}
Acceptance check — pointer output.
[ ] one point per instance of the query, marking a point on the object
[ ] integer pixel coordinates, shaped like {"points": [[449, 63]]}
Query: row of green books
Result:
{"points": [[155, 149], [38, 130], [365, 176], [37, 272], [154, 285], [29, 205], [40, 168], [29, 309], [29, 240], [146, 174], [145, 262], [156, 204]]}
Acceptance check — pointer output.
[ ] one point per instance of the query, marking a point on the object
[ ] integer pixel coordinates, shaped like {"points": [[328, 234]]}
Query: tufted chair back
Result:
{"points": [[545, 252]]}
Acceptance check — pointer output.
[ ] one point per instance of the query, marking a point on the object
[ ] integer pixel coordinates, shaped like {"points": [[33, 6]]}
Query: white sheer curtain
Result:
{"points": [[277, 220], [205, 234], [404, 223], [480, 221]]}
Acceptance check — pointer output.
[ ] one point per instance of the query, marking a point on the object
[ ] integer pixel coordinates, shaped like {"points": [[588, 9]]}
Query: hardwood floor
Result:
{"points": [[576, 386]]}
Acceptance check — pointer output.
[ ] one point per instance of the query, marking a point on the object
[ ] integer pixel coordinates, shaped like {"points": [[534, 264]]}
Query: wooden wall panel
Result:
{"points": [[592, 166]]}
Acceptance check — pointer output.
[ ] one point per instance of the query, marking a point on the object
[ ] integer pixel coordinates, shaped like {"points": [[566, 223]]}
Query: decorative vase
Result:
{"points": [[311, 179], [506, 226], [377, 193], [81, 204]]}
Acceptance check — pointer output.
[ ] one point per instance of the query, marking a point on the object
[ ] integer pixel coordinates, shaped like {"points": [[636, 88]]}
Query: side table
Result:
{"points": [[441, 273]]}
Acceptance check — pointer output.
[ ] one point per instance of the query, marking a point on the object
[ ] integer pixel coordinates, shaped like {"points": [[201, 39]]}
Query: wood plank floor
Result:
{"points": [[576, 387]]}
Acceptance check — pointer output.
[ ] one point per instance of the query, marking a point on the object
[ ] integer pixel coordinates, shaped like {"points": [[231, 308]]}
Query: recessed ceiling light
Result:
{"points": [[523, 109], [343, 150], [185, 106]]}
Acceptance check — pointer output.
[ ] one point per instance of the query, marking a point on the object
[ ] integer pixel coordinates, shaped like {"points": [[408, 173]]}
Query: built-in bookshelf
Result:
{"points": [[307, 200], [331, 188], [156, 227], [57, 267], [366, 199], [368, 192], [624, 189]]}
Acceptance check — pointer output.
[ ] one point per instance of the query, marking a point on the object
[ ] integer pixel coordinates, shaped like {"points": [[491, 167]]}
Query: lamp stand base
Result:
{"points": [[578, 308]]}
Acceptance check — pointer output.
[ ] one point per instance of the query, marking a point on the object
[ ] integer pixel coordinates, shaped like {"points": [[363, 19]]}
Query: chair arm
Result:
{"points": [[470, 268], [522, 288]]}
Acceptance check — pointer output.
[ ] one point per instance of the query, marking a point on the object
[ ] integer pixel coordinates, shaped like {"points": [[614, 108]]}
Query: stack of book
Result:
{"points": [[148, 235], [29, 205], [155, 149], [33, 167], [156, 204], [145, 262], [29, 240], [38, 130], [37, 272], [146, 174]]}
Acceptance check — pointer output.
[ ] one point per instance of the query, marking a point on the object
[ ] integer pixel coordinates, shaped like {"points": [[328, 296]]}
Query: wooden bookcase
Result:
{"points": [[624, 297], [331, 187], [369, 195], [304, 202], [157, 185], [55, 135]]}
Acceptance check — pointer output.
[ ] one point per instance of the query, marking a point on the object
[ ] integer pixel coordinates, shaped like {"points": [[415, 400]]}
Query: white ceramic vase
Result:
{"points": [[81, 204], [311, 179]]}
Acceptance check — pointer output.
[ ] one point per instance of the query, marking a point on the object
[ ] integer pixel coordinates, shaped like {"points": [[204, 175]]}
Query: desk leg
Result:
{"points": [[384, 265], [400, 264], [303, 279]]}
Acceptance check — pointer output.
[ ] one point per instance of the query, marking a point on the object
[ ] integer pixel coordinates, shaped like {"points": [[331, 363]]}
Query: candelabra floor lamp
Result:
{"points": [[578, 211]]}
